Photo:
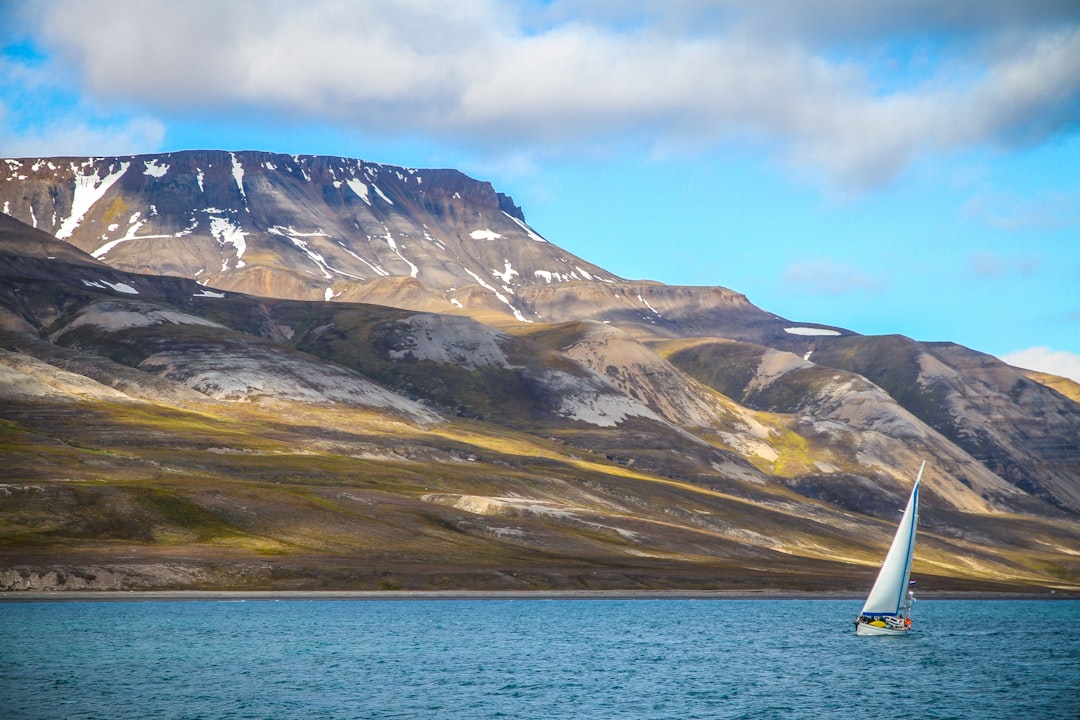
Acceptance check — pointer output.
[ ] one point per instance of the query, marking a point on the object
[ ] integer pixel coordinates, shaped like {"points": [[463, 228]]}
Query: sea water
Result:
{"points": [[595, 658]]}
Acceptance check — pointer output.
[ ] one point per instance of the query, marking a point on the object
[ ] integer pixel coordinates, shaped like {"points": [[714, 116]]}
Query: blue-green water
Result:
{"points": [[580, 659]]}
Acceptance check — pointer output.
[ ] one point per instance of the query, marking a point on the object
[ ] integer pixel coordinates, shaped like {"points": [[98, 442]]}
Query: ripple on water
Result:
{"points": [[583, 659]]}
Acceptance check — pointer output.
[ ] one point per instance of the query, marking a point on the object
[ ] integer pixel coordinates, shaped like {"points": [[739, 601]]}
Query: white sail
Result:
{"points": [[890, 589]]}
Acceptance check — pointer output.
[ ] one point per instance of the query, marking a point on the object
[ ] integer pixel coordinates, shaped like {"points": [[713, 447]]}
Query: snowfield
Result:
{"points": [[811, 331]]}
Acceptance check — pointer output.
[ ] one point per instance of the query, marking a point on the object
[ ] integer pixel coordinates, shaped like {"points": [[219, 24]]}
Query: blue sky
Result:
{"points": [[902, 167]]}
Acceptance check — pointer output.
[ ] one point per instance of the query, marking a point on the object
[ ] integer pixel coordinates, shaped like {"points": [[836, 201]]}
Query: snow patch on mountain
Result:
{"points": [[548, 276], [507, 273], [299, 240], [811, 331], [228, 233], [122, 288], [413, 269], [153, 169], [433, 240], [531, 233], [375, 268], [118, 287], [135, 222], [502, 298], [381, 194], [238, 174], [360, 188], [315, 257], [102, 251], [643, 300], [88, 190]]}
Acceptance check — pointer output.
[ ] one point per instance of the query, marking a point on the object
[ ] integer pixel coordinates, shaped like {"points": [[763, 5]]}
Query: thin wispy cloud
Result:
{"points": [[556, 79], [996, 266], [1049, 211], [827, 276]]}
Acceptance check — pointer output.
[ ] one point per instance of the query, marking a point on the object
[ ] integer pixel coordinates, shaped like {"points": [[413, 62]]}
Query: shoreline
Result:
{"points": [[27, 596]]}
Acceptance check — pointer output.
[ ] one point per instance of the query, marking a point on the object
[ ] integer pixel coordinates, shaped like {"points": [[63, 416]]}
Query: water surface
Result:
{"points": [[474, 659]]}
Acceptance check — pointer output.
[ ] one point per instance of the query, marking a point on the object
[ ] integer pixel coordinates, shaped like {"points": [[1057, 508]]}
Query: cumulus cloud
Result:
{"points": [[556, 78], [1044, 359], [37, 119]]}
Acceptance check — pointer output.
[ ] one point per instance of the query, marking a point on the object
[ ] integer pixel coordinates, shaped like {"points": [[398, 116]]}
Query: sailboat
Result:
{"points": [[887, 610]]}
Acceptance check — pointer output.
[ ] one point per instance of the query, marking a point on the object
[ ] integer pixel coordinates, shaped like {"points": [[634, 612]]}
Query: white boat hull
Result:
{"points": [[868, 629]]}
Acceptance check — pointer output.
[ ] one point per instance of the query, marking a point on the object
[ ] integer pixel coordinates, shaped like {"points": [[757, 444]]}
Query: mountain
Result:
{"points": [[252, 370], [317, 228], [300, 227]]}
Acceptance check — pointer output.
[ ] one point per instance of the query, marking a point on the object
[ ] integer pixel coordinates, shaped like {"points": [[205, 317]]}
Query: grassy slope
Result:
{"points": [[243, 497], [246, 495], [1068, 388]]}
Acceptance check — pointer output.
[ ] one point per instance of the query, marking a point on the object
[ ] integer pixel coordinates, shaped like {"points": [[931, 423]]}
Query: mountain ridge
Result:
{"points": [[649, 417]]}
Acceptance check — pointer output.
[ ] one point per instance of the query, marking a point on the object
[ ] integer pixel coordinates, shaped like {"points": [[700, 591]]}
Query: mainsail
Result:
{"points": [[889, 593]]}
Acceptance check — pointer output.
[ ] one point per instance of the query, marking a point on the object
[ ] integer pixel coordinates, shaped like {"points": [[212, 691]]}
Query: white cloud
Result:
{"points": [[39, 117], [1043, 359], [996, 266], [74, 136], [823, 22], [826, 276], [1049, 211], [507, 76]]}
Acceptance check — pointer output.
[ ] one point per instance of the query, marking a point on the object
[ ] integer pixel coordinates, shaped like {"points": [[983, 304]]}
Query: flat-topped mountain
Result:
{"points": [[302, 227], [323, 228]]}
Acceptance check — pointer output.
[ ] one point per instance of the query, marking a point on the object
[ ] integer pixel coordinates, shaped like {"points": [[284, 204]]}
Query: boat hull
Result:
{"points": [[868, 629]]}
